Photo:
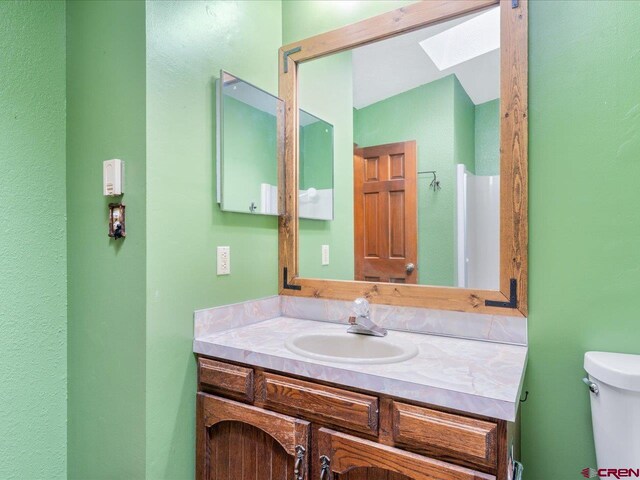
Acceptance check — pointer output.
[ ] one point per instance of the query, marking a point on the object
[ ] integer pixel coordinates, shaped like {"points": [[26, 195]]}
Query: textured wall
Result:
{"points": [[584, 219], [106, 119], [187, 44], [33, 336]]}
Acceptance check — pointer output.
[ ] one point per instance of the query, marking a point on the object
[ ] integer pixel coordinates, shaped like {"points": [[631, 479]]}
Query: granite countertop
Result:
{"points": [[471, 376]]}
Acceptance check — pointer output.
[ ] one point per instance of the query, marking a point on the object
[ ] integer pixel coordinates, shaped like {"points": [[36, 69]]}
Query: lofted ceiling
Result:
{"points": [[395, 65]]}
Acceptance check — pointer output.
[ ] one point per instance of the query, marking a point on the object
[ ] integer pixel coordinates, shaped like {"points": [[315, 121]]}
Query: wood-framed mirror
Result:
{"points": [[502, 290]]}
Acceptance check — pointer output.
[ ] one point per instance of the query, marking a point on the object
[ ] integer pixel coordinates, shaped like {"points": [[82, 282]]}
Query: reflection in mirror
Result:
{"points": [[416, 157], [315, 196], [247, 141]]}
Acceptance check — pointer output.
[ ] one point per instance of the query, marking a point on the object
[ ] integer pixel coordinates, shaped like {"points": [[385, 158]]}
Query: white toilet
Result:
{"points": [[614, 381]]}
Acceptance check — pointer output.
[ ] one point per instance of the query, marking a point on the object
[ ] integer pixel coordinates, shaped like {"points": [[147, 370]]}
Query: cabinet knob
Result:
{"points": [[410, 267]]}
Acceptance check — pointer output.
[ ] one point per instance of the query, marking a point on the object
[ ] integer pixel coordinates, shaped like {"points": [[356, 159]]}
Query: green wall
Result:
{"points": [[131, 373], [584, 221], [425, 114], [250, 154], [33, 330], [188, 42], [329, 78], [487, 138], [106, 302], [463, 131], [316, 155]]}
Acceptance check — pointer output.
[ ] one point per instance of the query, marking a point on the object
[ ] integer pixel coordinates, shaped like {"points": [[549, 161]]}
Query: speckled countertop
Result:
{"points": [[471, 376]]}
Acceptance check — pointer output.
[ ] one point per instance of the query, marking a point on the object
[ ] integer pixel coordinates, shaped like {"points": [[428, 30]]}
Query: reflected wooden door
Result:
{"points": [[385, 213]]}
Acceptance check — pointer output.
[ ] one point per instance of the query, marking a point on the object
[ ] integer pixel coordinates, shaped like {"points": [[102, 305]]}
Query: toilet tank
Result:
{"points": [[615, 408]]}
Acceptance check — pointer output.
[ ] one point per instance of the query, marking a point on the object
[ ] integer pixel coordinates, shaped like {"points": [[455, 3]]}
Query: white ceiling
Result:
{"points": [[387, 68]]}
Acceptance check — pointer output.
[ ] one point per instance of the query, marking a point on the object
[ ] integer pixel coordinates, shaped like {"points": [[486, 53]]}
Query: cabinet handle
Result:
{"points": [[298, 470], [325, 463]]}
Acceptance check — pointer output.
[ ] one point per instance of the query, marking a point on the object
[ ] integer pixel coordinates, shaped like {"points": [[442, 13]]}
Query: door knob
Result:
{"points": [[410, 267]]}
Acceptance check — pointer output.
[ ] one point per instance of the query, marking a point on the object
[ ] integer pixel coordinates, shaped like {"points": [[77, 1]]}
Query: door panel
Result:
{"points": [[385, 212], [346, 454], [372, 474], [240, 442]]}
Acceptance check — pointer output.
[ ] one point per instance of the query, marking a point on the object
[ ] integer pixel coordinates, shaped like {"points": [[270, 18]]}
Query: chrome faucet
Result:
{"points": [[361, 322]]}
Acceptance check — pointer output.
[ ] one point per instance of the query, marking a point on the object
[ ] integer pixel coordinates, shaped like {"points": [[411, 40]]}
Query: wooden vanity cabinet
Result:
{"points": [[259, 425]]}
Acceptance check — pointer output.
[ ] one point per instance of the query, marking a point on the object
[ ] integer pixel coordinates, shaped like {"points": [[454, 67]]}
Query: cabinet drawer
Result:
{"points": [[334, 406], [444, 434], [229, 380]]}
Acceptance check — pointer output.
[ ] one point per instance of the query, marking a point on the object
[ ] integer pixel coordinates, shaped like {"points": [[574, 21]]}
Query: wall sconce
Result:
{"points": [[117, 221]]}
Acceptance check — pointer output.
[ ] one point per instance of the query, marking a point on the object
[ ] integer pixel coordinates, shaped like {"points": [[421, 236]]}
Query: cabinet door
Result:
{"points": [[240, 442], [345, 457]]}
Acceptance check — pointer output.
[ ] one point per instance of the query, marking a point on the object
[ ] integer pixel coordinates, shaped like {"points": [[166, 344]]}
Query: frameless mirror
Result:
{"points": [[247, 162], [247, 143], [416, 157]]}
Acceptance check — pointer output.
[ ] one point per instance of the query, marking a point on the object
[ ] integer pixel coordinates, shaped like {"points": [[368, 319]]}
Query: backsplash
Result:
{"points": [[493, 328], [225, 317]]}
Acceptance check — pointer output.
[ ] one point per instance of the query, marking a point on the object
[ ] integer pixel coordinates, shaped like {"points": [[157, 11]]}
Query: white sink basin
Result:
{"points": [[350, 348]]}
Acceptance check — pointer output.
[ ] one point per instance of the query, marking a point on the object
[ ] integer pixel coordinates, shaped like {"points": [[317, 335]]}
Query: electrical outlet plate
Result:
{"points": [[224, 261]]}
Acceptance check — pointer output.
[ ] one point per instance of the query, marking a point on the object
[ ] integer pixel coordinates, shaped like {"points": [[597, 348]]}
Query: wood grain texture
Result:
{"points": [[328, 405], [371, 474], [230, 434], [514, 141], [226, 379], [505, 440], [288, 176], [439, 298], [513, 162], [447, 436], [348, 452], [244, 452], [385, 212], [396, 22]]}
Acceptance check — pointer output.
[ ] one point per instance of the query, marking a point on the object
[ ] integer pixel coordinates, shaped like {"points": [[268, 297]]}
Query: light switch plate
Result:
{"points": [[224, 261], [325, 254]]}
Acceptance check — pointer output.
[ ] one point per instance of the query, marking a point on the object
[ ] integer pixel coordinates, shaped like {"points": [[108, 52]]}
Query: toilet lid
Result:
{"points": [[620, 370]]}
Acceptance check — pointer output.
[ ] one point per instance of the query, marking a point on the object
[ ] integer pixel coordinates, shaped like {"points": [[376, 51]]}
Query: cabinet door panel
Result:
{"points": [[241, 442], [244, 452], [372, 474], [347, 453]]}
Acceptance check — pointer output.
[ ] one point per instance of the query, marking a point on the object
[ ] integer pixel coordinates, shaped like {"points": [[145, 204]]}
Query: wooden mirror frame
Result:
{"points": [[511, 299]]}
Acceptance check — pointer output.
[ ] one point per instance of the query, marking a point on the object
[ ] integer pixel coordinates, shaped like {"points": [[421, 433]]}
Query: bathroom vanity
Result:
{"points": [[264, 410]]}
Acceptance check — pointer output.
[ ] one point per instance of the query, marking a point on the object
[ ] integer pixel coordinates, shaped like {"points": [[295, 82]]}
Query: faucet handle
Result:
{"points": [[361, 307]]}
